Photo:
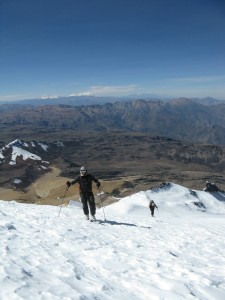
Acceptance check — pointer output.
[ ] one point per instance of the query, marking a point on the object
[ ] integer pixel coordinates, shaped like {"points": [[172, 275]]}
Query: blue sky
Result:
{"points": [[112, 47]]}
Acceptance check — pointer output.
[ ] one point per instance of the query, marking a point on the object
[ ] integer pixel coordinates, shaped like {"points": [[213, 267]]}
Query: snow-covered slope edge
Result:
{"points": [[173, 200], [177, 255]]}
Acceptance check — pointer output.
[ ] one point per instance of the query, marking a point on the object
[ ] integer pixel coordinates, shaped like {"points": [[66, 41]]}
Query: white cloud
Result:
{"points": [[81, 94], [114, 90], [49, 97]]}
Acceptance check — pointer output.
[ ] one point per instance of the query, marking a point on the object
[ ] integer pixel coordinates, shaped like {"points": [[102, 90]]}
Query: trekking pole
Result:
{"points": [[63, 200], [158, 211], [102, 206]]}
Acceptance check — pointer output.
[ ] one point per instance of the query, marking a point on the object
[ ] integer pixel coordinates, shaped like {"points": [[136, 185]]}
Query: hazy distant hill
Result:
{"points": [[182, 118], [208, 101], [77, 100], [92, 100]]}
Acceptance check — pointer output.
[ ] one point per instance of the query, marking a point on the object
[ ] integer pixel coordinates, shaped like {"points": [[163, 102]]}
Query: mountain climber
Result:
{"points": [[86, 195], [152, 207]]}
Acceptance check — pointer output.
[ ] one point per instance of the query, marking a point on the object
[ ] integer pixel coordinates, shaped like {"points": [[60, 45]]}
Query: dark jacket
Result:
{"points": [[152, 205], [85, 183]]}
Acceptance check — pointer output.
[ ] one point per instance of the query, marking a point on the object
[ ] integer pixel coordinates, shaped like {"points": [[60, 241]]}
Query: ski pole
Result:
{"points": [[63, 200], [102, 206]]}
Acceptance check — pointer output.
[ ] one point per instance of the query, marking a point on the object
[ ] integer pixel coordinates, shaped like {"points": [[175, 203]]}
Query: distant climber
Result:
{"points": [[152, 207], [86, 195]]}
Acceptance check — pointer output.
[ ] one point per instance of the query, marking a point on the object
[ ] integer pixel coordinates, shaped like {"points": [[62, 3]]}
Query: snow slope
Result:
{"points": [[179, 254]]}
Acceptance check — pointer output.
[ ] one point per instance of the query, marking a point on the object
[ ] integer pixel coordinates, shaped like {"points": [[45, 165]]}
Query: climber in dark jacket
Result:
{"points": [[85, 187], [152, 207]]}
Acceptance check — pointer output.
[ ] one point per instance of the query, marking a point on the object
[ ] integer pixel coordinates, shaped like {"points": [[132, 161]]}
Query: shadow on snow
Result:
{"points": [[122, 223]]}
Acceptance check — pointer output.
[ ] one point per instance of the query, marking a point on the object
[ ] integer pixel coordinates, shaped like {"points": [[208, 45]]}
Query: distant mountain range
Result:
{"points": [[73, 100], [92, 100], [183, 119]]}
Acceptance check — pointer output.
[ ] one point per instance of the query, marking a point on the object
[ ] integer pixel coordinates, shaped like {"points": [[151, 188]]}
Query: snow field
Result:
{"points": [[179, 254]]}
